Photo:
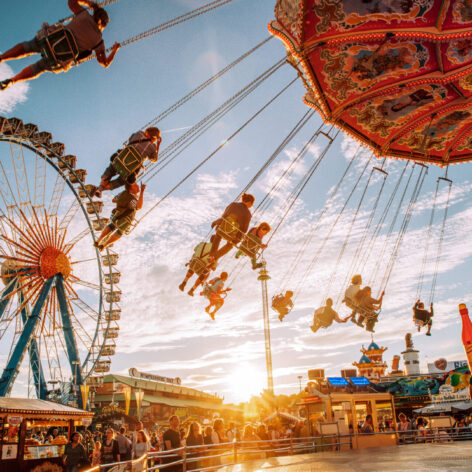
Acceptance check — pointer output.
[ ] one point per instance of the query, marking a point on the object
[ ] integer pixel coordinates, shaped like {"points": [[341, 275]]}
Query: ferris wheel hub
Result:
{"points": [[53, 262]]}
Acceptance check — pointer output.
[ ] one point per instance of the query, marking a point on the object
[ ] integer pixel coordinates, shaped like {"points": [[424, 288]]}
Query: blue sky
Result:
{"points": [[93, 111]]}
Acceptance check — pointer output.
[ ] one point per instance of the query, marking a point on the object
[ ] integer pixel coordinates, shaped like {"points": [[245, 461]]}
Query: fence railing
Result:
{"points": [[213, 456]]}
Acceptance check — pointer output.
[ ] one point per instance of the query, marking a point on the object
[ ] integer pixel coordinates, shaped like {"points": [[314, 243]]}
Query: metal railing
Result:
{"points": [[213, 456]]}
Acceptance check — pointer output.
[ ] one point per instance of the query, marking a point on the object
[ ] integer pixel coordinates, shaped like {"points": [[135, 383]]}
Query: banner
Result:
{"points": [[139, 398], [127, 394], [84, 390]]}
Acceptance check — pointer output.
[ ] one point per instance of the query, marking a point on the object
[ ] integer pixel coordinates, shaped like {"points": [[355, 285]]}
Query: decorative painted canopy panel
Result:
{"points": [[396, 74]]}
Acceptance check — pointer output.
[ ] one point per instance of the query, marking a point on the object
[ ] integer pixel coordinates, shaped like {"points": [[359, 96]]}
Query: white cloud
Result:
{"points": [[15, 94]]}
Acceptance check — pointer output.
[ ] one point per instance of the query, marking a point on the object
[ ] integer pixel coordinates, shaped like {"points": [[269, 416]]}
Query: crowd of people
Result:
{"points": [[201, 440]]}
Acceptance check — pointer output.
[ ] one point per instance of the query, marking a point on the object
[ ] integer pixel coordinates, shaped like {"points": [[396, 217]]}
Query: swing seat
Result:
{"points": [[318, 319], [127, 162], [229, 230], [367, 314], [123, 224], [199, 266], [213, 296], [251, 245], [280, 305], [58, 47]]}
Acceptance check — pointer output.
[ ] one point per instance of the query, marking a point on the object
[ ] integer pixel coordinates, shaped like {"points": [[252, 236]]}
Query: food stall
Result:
{"points": [[23, 420], [343, 413]]}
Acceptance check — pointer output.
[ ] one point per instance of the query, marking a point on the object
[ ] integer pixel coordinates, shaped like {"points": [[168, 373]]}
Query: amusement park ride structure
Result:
{"points": [[64, 317], [398, 82]]}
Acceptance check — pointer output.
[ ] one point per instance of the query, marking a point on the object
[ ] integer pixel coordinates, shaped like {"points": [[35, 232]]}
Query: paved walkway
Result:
{"points": [[444, 457]]}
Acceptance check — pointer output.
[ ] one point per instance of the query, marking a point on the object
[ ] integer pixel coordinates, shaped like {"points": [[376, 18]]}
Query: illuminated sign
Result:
{"points": [[359, 381], [338, 381]]}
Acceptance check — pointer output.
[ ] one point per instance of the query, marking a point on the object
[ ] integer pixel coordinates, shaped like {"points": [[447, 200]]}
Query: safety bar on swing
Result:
{"points": [[326, 135], [245, 238], [445, 179], [380, 170]]}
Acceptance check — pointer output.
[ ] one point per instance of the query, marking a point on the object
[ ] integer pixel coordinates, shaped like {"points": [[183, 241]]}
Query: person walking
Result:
{"points": [[74, 454]]}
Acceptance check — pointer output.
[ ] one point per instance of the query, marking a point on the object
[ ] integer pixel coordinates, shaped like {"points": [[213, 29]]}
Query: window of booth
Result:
{"points": [[45, 439], [362, 409], [385, 415]]}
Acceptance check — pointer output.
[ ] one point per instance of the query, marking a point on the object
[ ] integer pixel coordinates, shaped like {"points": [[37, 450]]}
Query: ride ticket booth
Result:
{"points": [[342, 413], [22, 420]]}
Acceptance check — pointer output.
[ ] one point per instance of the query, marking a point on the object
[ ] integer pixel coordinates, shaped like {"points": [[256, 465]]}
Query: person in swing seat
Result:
{"points": [[351, 292], [214, 291], [126, 164], [62, 46], [127, 203], [283, 304], [232, 225], [252, 243], [325, 315], [423, 317], [199, 264], [369, 306]]}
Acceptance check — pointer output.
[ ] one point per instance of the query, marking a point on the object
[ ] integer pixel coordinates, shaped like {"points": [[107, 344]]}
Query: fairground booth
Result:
{"points": [[21, 419], [339, 406]]}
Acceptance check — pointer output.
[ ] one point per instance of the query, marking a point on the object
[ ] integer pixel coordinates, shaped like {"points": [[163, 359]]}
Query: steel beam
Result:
{"points": [[35, 359], [71, 344], [13, 366]]}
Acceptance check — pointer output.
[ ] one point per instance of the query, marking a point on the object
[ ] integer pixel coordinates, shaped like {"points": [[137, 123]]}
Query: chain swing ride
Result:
{"points": [[400, 87]]}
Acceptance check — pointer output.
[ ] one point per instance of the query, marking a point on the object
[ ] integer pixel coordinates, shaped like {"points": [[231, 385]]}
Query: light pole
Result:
{"points": [[300, 377]]}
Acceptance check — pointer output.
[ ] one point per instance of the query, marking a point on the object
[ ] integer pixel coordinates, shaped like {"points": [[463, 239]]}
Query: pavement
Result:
{"points": [[442, 457]]}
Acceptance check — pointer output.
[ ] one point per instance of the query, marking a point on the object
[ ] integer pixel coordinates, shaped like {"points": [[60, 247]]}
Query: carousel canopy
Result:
{"points": [[395, 74]]}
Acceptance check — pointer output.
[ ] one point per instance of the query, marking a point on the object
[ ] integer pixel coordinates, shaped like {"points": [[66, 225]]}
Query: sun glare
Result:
{"points": [[246, 381]]}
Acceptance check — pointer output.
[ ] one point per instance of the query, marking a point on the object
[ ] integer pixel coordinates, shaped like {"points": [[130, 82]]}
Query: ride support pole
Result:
{"points": [[264, 277]]}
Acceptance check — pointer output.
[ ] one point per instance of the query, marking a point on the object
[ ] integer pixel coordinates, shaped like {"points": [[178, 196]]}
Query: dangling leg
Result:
{"points": [[218, 304], [20, 50], [106, 231], [256, 265], [197, 283], [28, 73], [430, 324], [31, 72], [189, 274], [224, 250]]}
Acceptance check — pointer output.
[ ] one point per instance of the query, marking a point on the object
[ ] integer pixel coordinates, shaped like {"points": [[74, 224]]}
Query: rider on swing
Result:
{"points": [[252, 243], [126, 164], [232, 225], [368, 306], [61, 46], [423, 317], [214, 290], [283, 304], [199, 264], [325, 315], [128, 203]]}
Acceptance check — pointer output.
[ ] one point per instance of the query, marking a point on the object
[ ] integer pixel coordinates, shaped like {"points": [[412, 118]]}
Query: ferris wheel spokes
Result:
{"points": [[14, 362]]}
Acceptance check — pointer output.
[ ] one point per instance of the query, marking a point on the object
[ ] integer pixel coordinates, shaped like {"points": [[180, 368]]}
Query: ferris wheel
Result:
{"points": [[60, 300]]}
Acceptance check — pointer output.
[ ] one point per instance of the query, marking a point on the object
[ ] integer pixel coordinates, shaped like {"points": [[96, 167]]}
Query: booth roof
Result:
{"points": [[34, 406]]}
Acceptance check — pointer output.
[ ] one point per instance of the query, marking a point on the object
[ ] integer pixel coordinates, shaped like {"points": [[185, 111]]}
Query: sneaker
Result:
{"points": [[182, 286], [313, 329], [212, 316], [4, 84], [190, 292], [428, 334], [281, 318]]}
